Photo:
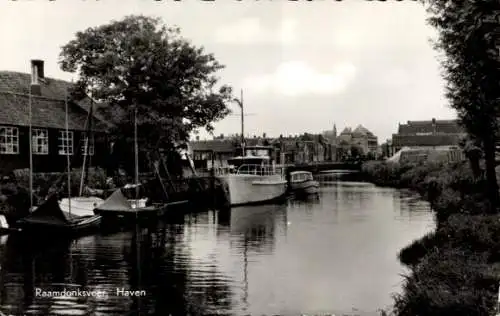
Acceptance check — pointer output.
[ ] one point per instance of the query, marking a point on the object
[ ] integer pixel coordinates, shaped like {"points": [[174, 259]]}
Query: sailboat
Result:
{"points": [[118, 206], [48, 218], [83, 205]]}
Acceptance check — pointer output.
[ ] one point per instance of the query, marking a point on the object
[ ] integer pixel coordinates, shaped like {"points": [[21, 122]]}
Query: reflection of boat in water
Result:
{"points": [[302, 183], [309, 200], [258, 224], [256, 229]]}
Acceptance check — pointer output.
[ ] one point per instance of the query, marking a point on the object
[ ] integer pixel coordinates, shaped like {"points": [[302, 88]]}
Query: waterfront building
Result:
{"points": [[51, 144], [212, 153], [305, 148], [361, 138], [428, 134]]}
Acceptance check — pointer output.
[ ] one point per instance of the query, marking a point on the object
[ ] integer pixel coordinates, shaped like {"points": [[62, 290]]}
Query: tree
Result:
{"points": [[137, 65], [356, 151], [473, 152], [471, 69]]}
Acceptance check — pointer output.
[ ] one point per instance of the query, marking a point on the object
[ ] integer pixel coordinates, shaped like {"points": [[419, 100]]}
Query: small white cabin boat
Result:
{"points": [[302, 182], [257, 180]]}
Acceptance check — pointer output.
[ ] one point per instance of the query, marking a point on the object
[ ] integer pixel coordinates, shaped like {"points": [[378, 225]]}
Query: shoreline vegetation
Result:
{"points": [[15, 195], [454, 270]]}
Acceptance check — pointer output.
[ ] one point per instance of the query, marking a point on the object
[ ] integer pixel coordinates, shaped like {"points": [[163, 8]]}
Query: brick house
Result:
{"points": [[428, 134], [51, 144]]}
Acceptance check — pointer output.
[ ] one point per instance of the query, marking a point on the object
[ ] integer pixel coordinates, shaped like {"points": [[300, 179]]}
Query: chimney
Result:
{"points": [[37, 64], [36, 74]]}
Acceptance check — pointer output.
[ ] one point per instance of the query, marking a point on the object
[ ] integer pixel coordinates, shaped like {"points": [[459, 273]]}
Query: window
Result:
{"points": [[89, 142], [65, 143], [9, 140], [40, 141]]}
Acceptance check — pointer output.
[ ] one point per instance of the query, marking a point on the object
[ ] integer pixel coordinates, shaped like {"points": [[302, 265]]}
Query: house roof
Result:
{"points": [[346, 130], [48, 110], [441, 126], [362, 131], [221, 146]]}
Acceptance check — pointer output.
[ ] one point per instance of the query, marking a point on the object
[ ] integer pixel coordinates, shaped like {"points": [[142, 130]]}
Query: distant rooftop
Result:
{"points": [[430, 126]]}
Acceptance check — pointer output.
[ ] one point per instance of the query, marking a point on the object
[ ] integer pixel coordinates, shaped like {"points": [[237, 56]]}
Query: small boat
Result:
{"points": [[49, 218], [117, 206], [81, 205], [303, 183]]}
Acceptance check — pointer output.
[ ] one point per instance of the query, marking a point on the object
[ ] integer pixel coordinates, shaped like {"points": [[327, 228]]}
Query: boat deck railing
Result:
{"points": [[250, 169], [259, 170]]}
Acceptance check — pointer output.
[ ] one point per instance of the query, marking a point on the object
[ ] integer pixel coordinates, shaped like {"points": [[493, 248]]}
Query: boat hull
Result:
{"points": [[306, 187], [77, 227], [254, 189], [140, 214]]}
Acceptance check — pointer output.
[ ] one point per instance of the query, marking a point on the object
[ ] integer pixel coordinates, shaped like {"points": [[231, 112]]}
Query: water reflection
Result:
{"points": [[255, 226], [332, 254]]}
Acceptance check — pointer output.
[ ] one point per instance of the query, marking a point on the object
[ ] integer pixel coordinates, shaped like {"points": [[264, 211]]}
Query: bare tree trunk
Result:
{"points": [[491, 177], [474, 158]]}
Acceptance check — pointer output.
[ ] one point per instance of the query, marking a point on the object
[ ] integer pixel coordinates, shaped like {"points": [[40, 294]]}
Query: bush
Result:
{"points": [[43, 183], [449, 281], [453, 271]]}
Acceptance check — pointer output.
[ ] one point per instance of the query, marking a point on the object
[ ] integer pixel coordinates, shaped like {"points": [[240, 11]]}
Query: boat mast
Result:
{"points": [[136, 158], [242, 125], [86, 146], [240, 103], [31, 139], [67, 149]]}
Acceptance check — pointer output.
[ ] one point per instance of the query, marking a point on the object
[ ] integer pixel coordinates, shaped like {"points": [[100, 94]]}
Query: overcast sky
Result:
{"points": [[303, 66]]}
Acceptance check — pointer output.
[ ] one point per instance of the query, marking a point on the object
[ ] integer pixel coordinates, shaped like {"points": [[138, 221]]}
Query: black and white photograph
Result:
{"points": [[250, 157]]}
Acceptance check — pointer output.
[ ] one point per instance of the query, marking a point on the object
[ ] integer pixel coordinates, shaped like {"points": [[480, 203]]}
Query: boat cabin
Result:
{"points": [[254, 155], [256, 161], [301, 176]]}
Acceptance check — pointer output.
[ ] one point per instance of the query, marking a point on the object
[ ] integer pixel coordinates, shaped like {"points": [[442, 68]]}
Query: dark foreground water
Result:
{"points": [[336, 254]]}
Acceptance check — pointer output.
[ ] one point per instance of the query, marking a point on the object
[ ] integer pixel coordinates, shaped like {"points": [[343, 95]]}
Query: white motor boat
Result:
{"points": [[256, 181]]}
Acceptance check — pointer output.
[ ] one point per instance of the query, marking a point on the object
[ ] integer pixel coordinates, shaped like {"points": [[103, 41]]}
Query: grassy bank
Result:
{"points": [[454, 269]]}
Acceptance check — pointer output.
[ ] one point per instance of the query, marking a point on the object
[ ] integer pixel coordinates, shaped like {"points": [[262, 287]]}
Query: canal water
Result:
{"points": [[336, 254]]}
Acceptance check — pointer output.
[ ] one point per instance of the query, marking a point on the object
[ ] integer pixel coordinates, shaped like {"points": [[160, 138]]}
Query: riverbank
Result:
{"points": [[454, 269], [202, 192]]}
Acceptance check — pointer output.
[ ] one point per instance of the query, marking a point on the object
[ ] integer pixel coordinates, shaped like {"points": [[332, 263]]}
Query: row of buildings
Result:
{"points": [[414, 140], [305, 148], [52, 143]]}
